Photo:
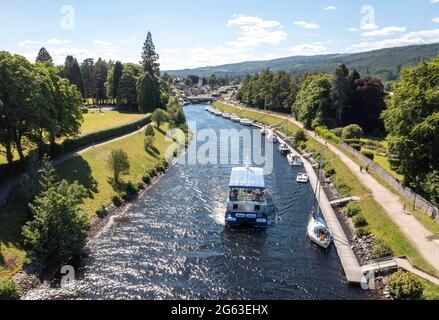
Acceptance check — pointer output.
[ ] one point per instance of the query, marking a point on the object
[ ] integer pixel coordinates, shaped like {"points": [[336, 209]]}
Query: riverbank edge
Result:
{"points": [[37, 274]]}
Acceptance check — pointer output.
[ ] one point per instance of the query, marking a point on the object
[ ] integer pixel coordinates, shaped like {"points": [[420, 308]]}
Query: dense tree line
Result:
{"points": [[276, 92], [412, 121], [37, 106]]}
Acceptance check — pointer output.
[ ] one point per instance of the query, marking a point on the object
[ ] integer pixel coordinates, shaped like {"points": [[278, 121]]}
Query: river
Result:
{"points": [[174, 244]]}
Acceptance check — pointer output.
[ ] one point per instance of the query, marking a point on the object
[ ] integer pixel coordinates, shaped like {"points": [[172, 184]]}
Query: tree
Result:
{"points": [[148, 95], [99, 80], [313, 103], [149, 142], [159, 117], [58, 231], [150, 58], [87, 69], [149, 131], [44, 56], [176, 113], [128, 86], [342, 90], [412, 121], [118, 163], [115, 80], [73, 73]]}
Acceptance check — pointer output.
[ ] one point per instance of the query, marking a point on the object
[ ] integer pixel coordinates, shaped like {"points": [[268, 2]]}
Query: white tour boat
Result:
{"points": [[247, 203], [284, 149]]}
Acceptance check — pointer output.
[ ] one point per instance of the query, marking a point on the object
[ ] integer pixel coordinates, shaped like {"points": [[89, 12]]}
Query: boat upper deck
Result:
{"points": [[247, 178]]}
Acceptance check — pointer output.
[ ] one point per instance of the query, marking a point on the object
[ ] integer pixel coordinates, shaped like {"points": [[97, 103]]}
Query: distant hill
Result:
{"points": [[384, 63]]}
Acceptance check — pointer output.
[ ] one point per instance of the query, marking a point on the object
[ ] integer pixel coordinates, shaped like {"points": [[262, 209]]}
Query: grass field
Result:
{"points": [[348, 184], [95, 121], [91, 171]]}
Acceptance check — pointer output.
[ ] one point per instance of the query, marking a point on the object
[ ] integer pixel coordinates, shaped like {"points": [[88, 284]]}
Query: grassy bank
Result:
{"points": [[91, 171], [348, 184]]}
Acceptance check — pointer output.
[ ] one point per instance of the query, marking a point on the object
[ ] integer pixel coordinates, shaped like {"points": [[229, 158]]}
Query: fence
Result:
{"points": [[403, 190]]}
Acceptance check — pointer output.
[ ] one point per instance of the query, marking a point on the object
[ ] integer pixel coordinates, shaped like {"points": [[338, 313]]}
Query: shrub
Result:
{"points": [[369, 154], [338, 132], [148, 143], [140, 186], [101, 212], [362, 232], [8, 291], [117, 201], [125, 196], [381, 248], [352, 210], [330, 172], [356, 147], [300, 137], [352, 131], [147, 179], [342, 188], [360, 221], [131, 189], [161, 165], [303, 146], [149, 131], [404, 285], [353, 141]]}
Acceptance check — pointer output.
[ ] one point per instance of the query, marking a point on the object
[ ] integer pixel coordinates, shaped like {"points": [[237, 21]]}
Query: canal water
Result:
{"points": [[174, 244]]}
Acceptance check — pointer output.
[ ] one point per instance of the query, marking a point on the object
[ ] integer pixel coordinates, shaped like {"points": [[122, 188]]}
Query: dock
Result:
{"points": [[340, 202], [349, 262]]}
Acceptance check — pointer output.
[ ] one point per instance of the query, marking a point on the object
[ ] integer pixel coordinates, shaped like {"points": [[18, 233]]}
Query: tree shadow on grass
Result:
{"points": [[79, 170], [153, 152]]}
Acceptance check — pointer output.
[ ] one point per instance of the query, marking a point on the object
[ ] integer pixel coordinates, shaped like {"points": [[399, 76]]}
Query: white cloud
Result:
{"points": [[435, 20], [411, 38], [384, 32], [331, 8], [369, 27], [27, 43], [255, 32], [307, 25], [354, 29], [434, 1], [57, 41], [102, 44], [309, 49], [172, 50]]}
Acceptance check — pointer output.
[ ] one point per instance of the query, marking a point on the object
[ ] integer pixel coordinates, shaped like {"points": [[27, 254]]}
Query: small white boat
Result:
{"points": [[319, 233], [302, 178], [246, 122], [284, 149], [217, 112], [236, 119], [269, 135], [227, 116], [294, 160]]}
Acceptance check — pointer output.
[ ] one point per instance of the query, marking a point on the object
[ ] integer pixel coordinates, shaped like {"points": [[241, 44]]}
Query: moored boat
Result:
{"points": [[236, 119], [227, 116], [302, 177], [246, 122], [319, 233], [295, 160], [284, 149], [247, 203]]}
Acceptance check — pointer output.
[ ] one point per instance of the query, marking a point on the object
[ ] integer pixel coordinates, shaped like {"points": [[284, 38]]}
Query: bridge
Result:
{"points": [[195, 100]]}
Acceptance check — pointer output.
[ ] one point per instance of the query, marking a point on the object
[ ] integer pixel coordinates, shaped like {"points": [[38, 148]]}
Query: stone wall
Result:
{"points": [[403, 190]]}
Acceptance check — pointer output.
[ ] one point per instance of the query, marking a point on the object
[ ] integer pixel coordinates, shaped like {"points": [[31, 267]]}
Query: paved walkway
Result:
{"points": [[418, 235], [7, 186]]}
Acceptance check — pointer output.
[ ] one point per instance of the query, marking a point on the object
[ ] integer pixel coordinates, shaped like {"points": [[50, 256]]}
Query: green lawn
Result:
{"points": [[91, 171], [96, 121], [348, 184]]}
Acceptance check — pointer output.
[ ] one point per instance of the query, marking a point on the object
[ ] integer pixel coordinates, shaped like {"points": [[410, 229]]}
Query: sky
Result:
{"points": [[195, 33]]}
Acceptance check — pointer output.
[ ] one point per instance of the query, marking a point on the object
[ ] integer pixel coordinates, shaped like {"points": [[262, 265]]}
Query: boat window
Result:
{"points": [[247, 195], [257, 208], [235, 207]]}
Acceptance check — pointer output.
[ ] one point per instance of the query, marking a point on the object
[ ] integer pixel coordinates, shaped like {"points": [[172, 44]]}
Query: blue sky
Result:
{"points": [[195, 33]]}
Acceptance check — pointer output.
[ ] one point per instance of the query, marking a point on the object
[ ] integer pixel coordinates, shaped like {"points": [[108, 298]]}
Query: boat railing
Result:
{"points": [[247, 198]]}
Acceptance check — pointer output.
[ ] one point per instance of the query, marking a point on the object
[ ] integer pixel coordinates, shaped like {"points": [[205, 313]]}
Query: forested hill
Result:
{"points": [[384, 63]]}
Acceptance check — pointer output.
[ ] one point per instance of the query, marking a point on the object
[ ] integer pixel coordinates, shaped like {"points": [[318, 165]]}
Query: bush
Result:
{"points": [[131, 189], [381, 248], [342, 188], [125, 196], [369, 154], [356, 147], [146, 179], [149, 131], [360, 221], [117, 201], [140, 186], [362, 232], [353, 141], [161, 165], [352, 210], [8, 291], [338, 132], [352, 131], [149, 143], [404, 285], [101, 212], [118, 163], [330, 172], [300, 137]]}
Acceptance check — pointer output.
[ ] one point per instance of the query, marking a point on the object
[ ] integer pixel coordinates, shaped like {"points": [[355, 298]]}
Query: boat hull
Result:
{"points": [[246, 220]]}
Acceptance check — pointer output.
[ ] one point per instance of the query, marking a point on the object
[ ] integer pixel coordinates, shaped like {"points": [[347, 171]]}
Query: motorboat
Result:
{"points": [[295, 160], [246, 122], [236, 119], [247, 202], [302, 177], [284, 149], [227, 116]]}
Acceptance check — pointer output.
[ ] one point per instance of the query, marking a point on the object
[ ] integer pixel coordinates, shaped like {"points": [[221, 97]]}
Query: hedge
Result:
{"points": [[369, 154]]}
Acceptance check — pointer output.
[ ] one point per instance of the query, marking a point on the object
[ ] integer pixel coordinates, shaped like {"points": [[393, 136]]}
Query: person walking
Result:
{"points": [[361, 169], [367, 169]]}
